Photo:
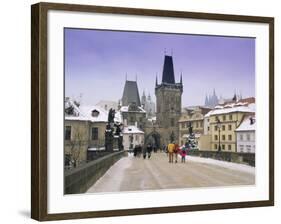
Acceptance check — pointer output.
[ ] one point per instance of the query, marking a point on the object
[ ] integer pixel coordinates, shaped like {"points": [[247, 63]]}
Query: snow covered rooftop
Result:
{"points": [[86, 113], [132, 130], [246, 124], [233, 109], [126, 109]]}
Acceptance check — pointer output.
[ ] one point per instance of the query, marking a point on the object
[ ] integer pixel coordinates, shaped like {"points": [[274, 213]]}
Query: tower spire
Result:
{"points": [[206, 100], [168, 70], [156, 81], [181, 78]]}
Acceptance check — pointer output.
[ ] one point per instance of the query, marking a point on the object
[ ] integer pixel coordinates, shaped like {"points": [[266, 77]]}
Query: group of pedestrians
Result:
{"points": [[145, 151], [174, 150]]}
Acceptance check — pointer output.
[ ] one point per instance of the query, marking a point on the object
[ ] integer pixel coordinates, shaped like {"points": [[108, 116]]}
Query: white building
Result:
{"points": [[245, 135], [132, 136]]}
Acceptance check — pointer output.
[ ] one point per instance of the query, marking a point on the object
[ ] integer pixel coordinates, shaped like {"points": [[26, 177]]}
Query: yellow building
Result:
{"points": [[222, 123], [195, 117]]}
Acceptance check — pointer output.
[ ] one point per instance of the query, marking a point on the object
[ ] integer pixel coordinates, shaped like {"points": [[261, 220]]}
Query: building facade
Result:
{"points": [[84, 130], [246, 135], [131, 110], [132, 136], [223, 124]]}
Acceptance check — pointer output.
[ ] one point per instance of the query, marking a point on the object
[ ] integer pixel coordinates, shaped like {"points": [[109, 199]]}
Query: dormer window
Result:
{"points": [[95, 113]]}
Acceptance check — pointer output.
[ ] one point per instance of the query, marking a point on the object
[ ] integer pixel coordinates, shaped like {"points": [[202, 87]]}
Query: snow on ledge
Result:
{"points": [[225, 164]]}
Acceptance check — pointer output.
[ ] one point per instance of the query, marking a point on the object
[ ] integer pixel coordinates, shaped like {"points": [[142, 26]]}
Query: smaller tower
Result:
{"points": [[143, 99], [149, 97], [206, 101]]}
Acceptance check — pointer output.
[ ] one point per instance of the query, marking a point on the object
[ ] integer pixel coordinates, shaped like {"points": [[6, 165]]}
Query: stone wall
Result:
{"points": [[243, 158], [79, 180]]}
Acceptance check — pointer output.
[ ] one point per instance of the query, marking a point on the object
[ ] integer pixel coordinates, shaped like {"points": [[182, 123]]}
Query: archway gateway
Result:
{"points": [[154, 139]]}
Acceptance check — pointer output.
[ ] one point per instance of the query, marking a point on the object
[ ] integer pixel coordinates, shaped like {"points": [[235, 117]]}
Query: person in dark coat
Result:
{"points": [[149, 150], [144, 152], [139, 151], [135, 150]]}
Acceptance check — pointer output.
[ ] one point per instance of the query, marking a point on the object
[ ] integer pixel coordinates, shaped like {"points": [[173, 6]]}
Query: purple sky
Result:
{"points": [[96, 63]]}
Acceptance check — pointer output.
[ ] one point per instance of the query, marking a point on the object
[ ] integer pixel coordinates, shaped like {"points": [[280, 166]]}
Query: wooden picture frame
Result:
{"points": [[39, 109]]}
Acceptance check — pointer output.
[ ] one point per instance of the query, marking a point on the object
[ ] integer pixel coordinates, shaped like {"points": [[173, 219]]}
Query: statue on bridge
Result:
{"points": [[191, 142], [110, 136], [190, 129], [111, 115]]}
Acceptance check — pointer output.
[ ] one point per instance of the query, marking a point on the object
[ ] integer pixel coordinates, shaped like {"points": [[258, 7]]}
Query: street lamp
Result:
{"points": [[219, 127]]}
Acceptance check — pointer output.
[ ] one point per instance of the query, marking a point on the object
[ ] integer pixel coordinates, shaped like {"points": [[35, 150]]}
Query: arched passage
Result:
{"points": [[153, 138]]}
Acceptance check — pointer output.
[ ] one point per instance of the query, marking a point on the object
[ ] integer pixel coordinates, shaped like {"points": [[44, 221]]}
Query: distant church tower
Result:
{"points": [[168, 99]]}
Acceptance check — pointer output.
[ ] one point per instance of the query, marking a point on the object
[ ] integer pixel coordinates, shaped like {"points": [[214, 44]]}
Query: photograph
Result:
{"points": [[154, 111]]}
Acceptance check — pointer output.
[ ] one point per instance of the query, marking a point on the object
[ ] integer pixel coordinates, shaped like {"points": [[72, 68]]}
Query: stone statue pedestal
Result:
{"points": [[113, 140]]}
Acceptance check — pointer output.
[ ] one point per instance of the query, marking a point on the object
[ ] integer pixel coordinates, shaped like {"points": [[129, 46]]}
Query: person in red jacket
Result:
{"points": [[183, 153], [176, 151]]}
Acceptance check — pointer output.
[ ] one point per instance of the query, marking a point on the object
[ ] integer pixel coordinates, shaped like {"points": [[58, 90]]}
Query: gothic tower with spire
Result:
{"points": [[168, 100]]}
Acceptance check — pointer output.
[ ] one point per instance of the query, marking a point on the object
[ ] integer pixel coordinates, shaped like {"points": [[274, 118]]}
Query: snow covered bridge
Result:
{"points": [[132, 174]]}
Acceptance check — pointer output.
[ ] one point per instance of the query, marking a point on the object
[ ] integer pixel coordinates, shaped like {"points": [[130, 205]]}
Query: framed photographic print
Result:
{"points": [[141, 111]]}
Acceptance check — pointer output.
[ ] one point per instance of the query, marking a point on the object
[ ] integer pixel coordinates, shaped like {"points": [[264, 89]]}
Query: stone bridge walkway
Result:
{"points": [[132, 174]]}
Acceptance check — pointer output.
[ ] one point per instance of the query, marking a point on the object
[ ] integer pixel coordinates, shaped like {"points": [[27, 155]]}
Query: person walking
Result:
{"points": [[149, 150], [135, 150], [183, 153], [144, 152], [139, 150], [171, 148], [176, 151]]}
